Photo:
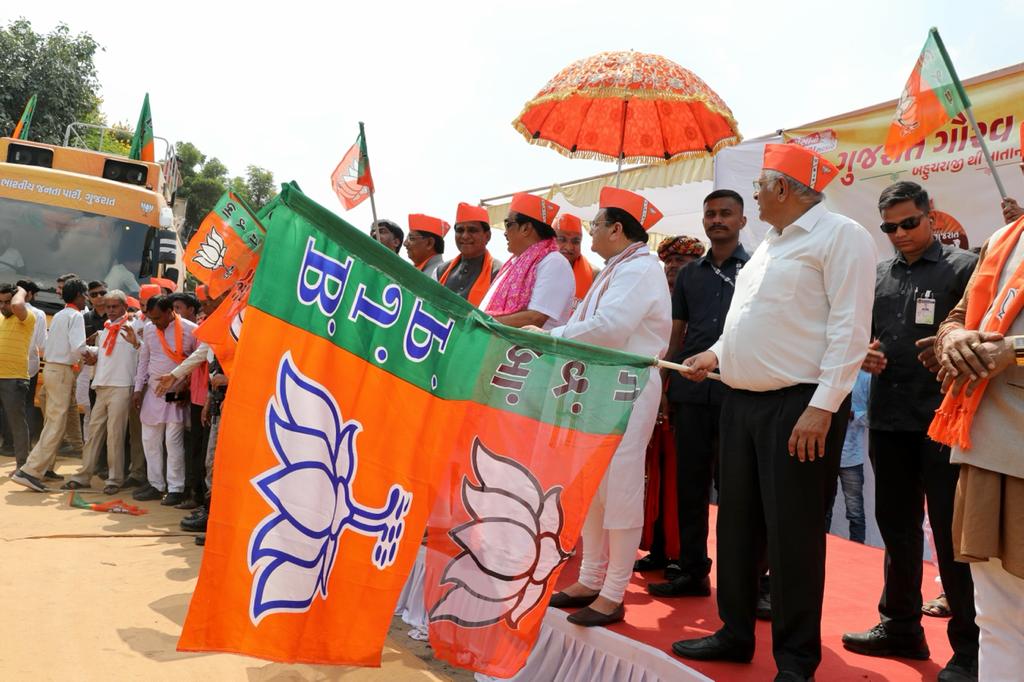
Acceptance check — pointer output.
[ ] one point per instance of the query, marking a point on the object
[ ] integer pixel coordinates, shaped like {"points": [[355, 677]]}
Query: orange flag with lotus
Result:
{"points": [[365, 399]]}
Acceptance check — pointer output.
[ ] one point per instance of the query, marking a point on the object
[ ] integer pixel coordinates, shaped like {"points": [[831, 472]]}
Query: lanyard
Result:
{"points": [[725, 277]]}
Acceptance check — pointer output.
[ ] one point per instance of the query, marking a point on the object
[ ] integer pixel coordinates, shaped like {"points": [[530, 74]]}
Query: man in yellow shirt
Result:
{"points": [[17, 324]]}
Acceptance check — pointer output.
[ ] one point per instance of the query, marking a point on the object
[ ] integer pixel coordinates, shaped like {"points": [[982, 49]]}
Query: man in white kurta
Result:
{"points": [[628, 308]]}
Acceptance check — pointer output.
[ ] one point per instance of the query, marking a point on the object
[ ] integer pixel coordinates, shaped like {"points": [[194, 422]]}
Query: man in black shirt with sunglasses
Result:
{"points": [[914, 292]]}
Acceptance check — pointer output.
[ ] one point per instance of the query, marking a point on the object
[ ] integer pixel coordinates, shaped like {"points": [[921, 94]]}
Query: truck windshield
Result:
{"points": [[41, 243]]}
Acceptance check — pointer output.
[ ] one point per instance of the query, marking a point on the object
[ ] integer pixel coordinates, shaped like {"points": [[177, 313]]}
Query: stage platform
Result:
{"points": [[639, 649]]}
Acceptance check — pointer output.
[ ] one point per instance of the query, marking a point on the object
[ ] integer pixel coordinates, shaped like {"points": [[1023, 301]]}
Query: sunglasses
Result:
{"points": [[94, 294], [907, 224]]}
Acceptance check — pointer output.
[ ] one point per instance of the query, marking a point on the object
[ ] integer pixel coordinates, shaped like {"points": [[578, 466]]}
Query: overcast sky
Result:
{"points": [[283, 85]]}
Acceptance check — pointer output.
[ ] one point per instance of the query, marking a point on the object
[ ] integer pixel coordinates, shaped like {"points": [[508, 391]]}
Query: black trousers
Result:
{"points": [[12, 397], [910, 468], [769, 499], [195, 455], [696, 432]]}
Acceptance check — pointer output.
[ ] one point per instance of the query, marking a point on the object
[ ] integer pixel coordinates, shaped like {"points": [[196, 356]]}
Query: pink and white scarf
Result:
{"points": [[520, 275]]}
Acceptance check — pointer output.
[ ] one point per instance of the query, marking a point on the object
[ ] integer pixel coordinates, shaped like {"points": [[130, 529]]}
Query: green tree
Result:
{"points": [[204, 179], [256, 188], [58, 67]]}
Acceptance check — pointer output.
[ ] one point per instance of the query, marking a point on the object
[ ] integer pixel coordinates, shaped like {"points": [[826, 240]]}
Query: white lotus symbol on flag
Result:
{"points": [[511, 545], [292, 550], [211, 252]]}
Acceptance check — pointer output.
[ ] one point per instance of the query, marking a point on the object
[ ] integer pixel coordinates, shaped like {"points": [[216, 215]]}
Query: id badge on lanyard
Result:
{"points": [[924, 309]]}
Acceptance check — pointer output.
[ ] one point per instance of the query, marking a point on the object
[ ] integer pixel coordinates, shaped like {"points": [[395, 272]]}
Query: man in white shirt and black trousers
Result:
{"points": [[794, 338]]}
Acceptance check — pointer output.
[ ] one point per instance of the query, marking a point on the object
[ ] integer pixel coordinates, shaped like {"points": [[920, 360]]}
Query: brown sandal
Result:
{"points": [[937, 608]]}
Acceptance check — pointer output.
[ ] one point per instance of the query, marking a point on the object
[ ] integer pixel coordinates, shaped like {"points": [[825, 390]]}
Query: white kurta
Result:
{"points": [[634, 314]]}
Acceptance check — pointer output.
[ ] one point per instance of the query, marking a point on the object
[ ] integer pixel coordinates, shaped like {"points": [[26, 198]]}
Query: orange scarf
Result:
{"points": [[113, 331], [177, 355], [483, 280], [953, 419], [583, 271]]}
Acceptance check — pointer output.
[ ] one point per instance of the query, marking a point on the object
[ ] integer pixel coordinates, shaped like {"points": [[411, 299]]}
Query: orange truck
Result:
{"points": [[99, 215]]}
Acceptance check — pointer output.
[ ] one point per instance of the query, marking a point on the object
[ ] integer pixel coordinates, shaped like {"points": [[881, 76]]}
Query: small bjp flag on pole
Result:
{"points": [[932, 97], [142, 140], [351, 180]]}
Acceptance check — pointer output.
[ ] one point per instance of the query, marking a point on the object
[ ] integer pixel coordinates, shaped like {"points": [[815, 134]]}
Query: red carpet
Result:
{"points": [[853, 584]]}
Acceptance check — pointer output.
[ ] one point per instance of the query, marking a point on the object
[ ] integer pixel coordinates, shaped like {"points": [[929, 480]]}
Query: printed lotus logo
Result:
{"points": [[293, 550], [211, 252], [146, 207], [510, 547]]}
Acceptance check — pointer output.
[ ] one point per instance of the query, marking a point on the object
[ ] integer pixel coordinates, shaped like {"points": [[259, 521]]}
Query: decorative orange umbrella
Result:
{"points": [[628, 107]]}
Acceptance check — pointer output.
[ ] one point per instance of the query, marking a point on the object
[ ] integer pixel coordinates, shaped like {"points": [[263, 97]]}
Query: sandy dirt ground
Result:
{"points": [[96, 596]]}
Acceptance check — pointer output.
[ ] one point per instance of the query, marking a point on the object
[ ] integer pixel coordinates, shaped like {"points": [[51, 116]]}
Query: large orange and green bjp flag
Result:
{"points": [[932, 96], [366, 399]]}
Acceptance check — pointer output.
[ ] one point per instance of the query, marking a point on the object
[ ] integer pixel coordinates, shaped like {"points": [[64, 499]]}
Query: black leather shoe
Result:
{"points": [[561, 600], [673, 570], [133, 483], [878, 641], [196, 523], [146, 494], [716, 647], [683, 586], [650, 563], [763, 610], [171, 499], [588, 617], [960, 669]]}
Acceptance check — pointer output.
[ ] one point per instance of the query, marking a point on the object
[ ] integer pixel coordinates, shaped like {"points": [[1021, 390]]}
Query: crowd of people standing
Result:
{"points": [[796, 358]]}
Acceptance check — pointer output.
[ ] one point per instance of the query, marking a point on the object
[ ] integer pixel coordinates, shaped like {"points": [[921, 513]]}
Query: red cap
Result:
{"points": [[425, 223], [468, 213], [203, 292], [163, 282], [632, 203], [568, 223], [148, 291], [133, 302], [534, 207], [801, 164]]}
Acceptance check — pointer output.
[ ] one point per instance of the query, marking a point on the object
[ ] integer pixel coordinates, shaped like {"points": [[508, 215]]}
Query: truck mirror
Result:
{"points": [[168, 249]]}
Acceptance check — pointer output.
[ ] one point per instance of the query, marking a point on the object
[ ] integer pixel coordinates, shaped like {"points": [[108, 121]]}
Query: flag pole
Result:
{"points": [[665, 364], [984, 150], [970, 114], [373, 204]]}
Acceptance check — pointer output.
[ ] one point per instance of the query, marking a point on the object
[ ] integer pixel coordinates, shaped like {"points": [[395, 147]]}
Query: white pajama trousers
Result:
{"points": [[999, 605], [608, 555], [154, 438]]}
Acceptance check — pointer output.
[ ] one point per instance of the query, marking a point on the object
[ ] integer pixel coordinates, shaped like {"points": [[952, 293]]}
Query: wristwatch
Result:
{"points": [[1018, 350]]}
